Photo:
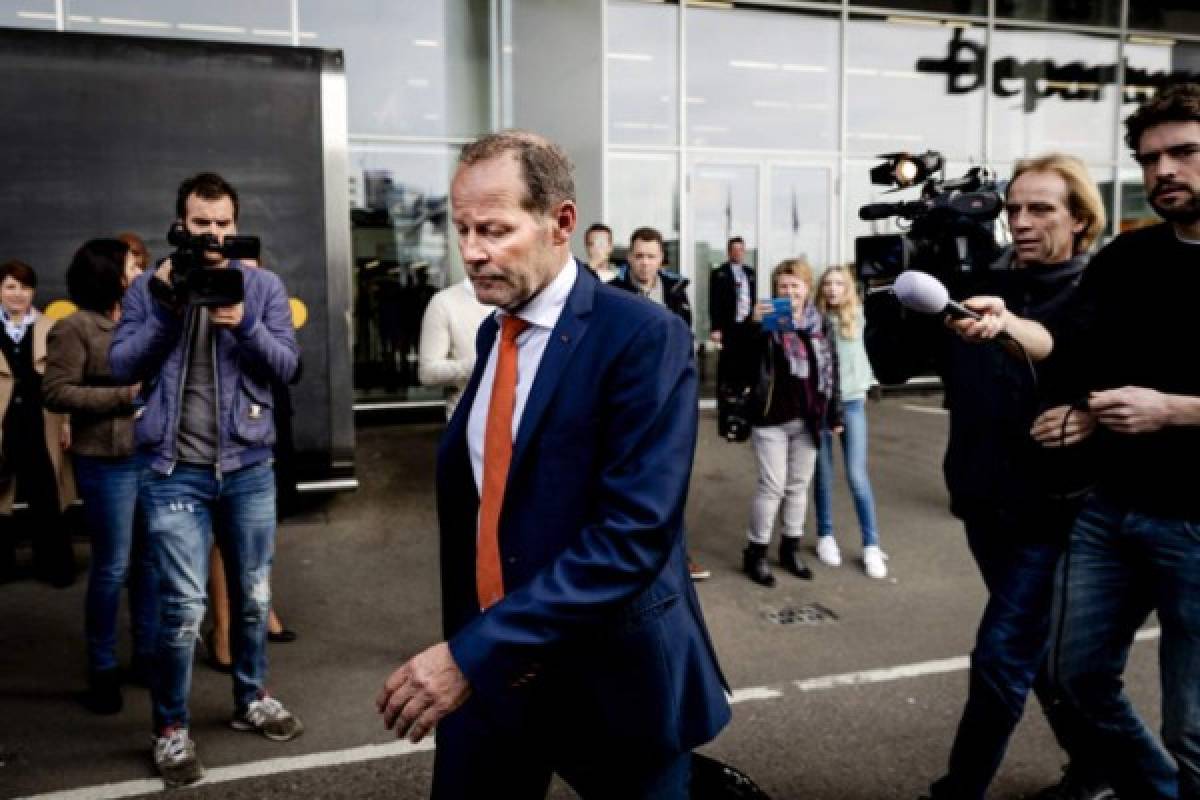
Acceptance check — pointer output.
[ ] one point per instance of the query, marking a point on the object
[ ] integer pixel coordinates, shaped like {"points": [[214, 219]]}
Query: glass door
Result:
{"points": [[724, 203], [798, 217]]}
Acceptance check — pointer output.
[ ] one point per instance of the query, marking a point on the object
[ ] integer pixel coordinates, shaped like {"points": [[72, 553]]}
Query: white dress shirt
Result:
{"points": [[542, 313], [743, 291]]}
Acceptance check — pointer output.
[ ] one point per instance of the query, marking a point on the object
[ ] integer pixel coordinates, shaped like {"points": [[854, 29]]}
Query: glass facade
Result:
{"points": [[760, 120]]}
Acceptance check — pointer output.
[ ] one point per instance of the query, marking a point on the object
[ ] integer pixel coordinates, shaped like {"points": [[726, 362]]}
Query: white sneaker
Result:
{"points": [[827, 551], [268, 717], [175, 758], [873, 561]]}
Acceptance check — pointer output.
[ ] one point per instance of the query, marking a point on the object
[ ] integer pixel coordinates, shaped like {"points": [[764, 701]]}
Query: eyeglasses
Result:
{"points": [[1179, 152]]}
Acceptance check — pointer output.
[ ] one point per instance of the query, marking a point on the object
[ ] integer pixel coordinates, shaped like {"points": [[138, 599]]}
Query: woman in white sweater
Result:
{"points": [[448, 329]]}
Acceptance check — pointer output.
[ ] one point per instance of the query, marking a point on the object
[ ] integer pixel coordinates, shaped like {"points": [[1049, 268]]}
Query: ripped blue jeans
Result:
{"points": [[182, 511]]}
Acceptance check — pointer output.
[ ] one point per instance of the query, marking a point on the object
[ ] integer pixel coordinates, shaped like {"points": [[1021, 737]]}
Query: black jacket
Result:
{"points": [[824, 411], [722, 296], [674, 291], [992, 466]]}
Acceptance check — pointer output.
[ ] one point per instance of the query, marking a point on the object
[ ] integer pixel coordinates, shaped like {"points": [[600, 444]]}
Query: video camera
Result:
{"points": [[952, 231], [194, 281]]}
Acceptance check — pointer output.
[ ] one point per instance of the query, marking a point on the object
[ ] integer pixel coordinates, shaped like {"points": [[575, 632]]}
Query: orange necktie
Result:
{"points": [[497, 454]]}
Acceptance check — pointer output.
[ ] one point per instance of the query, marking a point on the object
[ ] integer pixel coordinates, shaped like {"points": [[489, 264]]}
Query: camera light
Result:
{"points": [[906, 172], [904, 169]]}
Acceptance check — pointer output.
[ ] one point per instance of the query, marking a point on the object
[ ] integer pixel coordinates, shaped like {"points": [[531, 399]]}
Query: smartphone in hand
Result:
{"points": [[779, 319]]}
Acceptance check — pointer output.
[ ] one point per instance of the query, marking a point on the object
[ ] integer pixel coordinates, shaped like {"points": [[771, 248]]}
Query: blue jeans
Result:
{"points": [[1120, 566], [180, 511], [1010, 656], [109, 489], [854, 449]]}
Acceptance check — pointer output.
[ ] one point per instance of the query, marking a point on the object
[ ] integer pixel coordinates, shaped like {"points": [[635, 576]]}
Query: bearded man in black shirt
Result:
{"points": [[1135, 547]]}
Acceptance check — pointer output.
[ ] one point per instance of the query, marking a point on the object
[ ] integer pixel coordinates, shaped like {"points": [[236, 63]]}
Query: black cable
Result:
{"points": [[1062, 434]]}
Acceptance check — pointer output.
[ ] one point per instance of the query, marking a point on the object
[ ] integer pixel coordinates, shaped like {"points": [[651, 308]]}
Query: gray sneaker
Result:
{"points": [[175, 758], [268, 717]]}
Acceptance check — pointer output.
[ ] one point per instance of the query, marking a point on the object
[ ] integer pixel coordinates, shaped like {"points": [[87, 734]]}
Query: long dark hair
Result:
{"points": [[96, 277]]}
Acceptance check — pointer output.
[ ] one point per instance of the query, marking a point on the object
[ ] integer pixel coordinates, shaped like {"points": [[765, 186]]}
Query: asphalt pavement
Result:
{"points": [[856, 698]]}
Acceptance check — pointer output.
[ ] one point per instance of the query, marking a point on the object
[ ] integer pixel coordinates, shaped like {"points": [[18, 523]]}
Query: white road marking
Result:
{"points": [[925, 409], [253, 769], [371, 752], [885, 675], [757, 693]]}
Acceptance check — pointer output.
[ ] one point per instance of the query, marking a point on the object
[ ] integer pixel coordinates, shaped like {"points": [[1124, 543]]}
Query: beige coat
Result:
{"points": [[54, 423]]}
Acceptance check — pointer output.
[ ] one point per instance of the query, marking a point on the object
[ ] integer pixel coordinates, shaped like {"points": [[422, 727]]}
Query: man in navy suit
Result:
{"points": [[575, 641]]}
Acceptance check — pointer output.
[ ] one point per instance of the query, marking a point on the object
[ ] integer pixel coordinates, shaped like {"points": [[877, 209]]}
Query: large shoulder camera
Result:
{"points": [[196, 283], [952, 225]]}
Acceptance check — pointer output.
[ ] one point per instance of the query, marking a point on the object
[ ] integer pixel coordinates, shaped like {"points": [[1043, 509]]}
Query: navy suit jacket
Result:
{"points": [[599, 635]]}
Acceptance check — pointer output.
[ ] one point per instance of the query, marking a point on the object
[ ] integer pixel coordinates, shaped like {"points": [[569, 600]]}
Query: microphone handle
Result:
{"points": [[959, 311]]}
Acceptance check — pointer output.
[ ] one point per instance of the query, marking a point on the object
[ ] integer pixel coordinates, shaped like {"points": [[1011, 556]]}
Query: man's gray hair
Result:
{"points": [[545, 168]]}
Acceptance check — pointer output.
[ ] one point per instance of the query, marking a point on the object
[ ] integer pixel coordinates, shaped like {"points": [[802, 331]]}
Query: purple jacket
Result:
{"points": [[151, 346]]}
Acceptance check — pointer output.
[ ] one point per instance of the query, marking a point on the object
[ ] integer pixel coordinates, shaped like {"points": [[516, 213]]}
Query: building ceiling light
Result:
{"points": [[44, 15], [865, 71], [203, 28], [307, 35], [615, 56], [426, 43], [1157, 41], [770, 104], [697, 101], [762, 65], [80, 19], [901, 20], [418, 83], [899, 73], [270, 32], [804, 68], [134, 23]]}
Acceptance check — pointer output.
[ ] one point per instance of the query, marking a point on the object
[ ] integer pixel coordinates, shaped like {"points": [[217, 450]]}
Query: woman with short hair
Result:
{"points": [[33, 466], [78, 381]]}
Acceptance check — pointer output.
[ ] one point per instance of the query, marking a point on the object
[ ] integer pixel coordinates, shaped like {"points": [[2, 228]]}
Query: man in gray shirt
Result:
{"points": [[205, 435]]}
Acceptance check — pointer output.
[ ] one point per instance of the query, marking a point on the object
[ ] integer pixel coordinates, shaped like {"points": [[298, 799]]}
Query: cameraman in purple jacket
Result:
{"points": [[204, 435]]}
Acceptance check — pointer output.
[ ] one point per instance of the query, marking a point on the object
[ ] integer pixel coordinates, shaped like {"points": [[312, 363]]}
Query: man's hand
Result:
{"points": [[1131, 409], [1048, 429], [423, 691], [715, 336], [227, 316], [761, 309], [989, 326]]}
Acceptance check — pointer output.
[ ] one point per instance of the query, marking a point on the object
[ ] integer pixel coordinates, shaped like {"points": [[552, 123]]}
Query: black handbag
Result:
{"points": [[733, 413]]}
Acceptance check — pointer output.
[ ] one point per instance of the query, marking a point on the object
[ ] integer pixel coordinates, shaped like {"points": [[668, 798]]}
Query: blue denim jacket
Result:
{"points": [[151, 346]]}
